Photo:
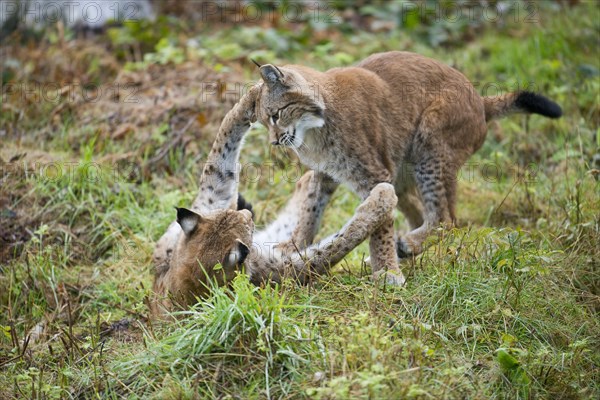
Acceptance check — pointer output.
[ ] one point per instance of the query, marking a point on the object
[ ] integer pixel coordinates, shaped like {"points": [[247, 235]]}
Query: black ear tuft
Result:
{"points": [[242, 204], [271, 74], [255, 63], [188, 220]]}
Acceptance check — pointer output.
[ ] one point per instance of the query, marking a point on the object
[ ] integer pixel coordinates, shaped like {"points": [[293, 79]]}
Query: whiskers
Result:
{"points": [[289, 138], [288, 141], [303, 147]]}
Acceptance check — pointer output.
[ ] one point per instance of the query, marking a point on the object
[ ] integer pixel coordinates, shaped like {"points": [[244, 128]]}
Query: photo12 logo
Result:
{"points": [[470, 11], [259, 11], [54, 92], [85, 12]]}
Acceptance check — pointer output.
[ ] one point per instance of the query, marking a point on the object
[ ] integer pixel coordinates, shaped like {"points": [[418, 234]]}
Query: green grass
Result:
{"points": [[504, 306]]}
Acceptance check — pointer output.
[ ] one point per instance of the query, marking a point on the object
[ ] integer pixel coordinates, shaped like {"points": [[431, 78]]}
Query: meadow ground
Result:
{"points": [[102, 136]]}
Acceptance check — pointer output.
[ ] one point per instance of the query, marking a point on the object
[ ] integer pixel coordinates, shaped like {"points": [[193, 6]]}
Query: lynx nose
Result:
{"points": [[274, 138]]}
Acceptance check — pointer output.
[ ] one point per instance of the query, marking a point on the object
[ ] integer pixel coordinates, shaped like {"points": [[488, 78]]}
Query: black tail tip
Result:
{"points": [[538, 104]]}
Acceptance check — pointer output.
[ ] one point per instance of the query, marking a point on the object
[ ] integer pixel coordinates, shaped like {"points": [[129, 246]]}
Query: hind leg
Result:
{"points": [[429, 154], [316, 196], [296, 225], [431, 185]]}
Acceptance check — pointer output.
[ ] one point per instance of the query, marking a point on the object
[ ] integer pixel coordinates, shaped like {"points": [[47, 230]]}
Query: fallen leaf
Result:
{"points": [[122, 131]]}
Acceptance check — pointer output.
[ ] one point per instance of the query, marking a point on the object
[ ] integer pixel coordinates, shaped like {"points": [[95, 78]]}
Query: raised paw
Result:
{"points": [[384, 191], [390, 277], [381, 200]]}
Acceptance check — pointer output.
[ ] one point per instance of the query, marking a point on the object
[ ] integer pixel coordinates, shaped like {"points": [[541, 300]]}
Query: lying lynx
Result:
{"points": [[218, 230], [396, 117]]}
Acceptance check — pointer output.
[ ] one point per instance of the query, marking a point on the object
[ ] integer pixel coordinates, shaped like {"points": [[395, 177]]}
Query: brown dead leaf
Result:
{"points": [[122, 131], [201, 119]]}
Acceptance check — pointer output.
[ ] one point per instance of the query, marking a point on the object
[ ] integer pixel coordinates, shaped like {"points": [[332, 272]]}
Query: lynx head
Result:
{"points": [[288, 106], [220, 237]]}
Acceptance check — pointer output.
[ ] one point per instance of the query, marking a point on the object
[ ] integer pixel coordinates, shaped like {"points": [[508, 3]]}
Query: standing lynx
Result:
{"points": [[396, 117]]}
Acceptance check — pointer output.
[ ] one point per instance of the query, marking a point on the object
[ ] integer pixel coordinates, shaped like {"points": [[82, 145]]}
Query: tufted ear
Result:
{"points": [[271, 74], [236, 256], [242, 204], [188, 220]]}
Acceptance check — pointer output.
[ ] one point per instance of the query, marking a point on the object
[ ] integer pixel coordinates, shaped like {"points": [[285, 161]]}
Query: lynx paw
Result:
{"points": [[392, 277], [381, 200], [407, 249]]}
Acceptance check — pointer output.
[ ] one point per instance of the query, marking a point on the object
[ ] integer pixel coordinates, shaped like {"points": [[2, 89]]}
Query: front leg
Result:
{"points": [[219, 180], [384, 260], [382, 246]]}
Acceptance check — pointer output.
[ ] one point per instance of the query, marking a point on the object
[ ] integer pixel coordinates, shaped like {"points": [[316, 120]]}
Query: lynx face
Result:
{"points": [[289, 106], [222, 237]]}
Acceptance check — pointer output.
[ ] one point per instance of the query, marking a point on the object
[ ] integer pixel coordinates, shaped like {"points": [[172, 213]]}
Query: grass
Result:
{"points": [[503, 306]]}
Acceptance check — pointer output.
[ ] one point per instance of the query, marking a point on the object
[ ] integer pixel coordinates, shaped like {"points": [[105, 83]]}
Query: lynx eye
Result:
{"points": [[275, 117]]}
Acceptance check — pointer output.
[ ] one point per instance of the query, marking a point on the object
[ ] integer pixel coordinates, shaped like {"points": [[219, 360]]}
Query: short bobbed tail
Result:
{"points": [[520, 102]]}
